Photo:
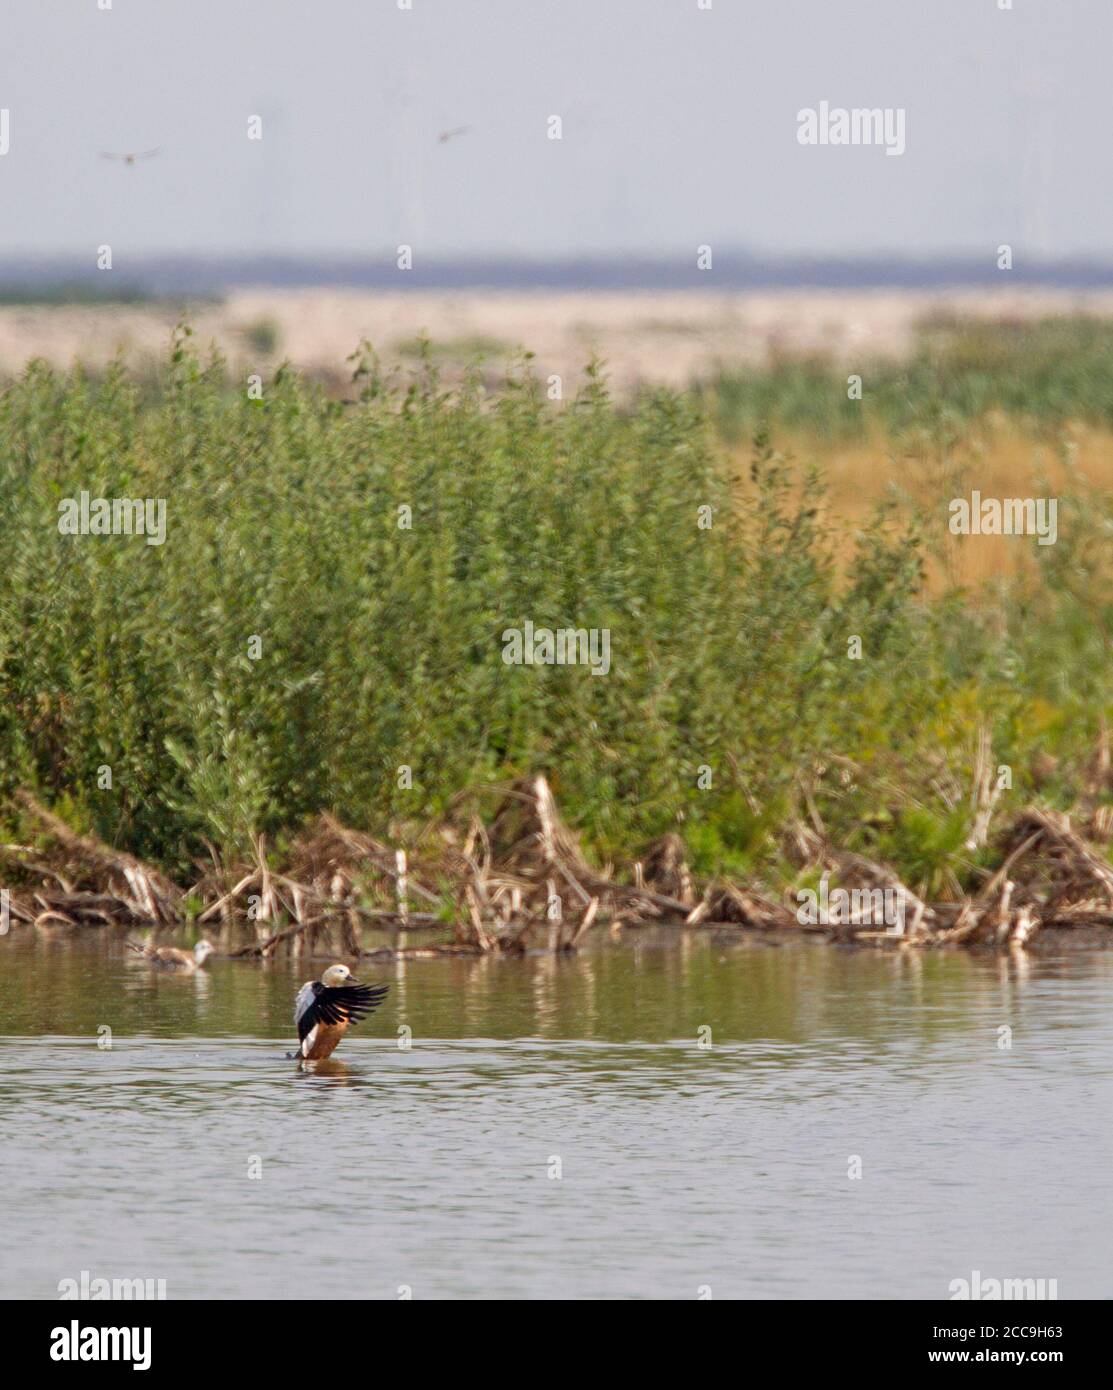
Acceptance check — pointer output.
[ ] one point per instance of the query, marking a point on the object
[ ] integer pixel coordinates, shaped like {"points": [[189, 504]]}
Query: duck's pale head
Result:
{"points": [[202, 951], [337, 975]]}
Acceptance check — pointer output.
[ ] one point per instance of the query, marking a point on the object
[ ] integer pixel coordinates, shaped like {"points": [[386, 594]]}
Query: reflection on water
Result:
{"points": [[556, 1128]]}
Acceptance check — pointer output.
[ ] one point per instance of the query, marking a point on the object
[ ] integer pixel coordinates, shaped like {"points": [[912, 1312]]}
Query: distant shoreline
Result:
{"points": [[177, 273], [671, 337]]}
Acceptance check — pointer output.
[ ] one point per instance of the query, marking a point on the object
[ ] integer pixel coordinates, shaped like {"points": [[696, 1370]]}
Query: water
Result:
{"points": [[681, 1168]]}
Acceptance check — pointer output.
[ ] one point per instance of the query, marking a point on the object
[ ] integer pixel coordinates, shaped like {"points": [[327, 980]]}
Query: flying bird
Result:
{"points": [[131, 156], [446, 135], [325, 1008]]}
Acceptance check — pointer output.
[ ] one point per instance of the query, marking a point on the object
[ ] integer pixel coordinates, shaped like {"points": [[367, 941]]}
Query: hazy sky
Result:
{"points": [[679, 126]]}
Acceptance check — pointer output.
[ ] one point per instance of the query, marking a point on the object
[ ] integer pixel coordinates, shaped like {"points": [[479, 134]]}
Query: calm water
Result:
{"points": [[680, 1167]]}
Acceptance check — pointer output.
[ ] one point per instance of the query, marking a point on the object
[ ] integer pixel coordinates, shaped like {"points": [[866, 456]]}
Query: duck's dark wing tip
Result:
{"points": [[349, 1003], [366, 998]]}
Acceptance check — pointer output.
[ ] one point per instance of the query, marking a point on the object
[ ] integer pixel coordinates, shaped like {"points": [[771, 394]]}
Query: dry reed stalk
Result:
{"points": [[984, 791], [400, 884], [151, 895], [585, 923], [510, 874]]}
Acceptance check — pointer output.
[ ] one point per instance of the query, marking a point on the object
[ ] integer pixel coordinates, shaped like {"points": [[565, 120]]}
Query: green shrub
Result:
{"points": [[380, 645], [1043, 372]]}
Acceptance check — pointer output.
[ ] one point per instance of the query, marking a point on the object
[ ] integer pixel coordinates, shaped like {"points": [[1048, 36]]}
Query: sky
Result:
{"points": [[679, 127]]}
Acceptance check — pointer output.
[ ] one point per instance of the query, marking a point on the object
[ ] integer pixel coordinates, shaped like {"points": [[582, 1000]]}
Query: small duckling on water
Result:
{"points": [[325, 1008], [170, 958]]}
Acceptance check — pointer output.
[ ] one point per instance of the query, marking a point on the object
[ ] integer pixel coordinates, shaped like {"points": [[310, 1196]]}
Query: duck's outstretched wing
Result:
{"points": [[305, 1009], [317, 1003]]}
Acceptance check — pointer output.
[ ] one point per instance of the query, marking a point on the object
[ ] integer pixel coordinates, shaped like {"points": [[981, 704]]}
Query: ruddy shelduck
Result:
{"points": [[325, 1008], [170, 958]]}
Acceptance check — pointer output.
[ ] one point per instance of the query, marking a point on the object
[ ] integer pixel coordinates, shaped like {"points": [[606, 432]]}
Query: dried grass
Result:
{"points": [[522, 881]]}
